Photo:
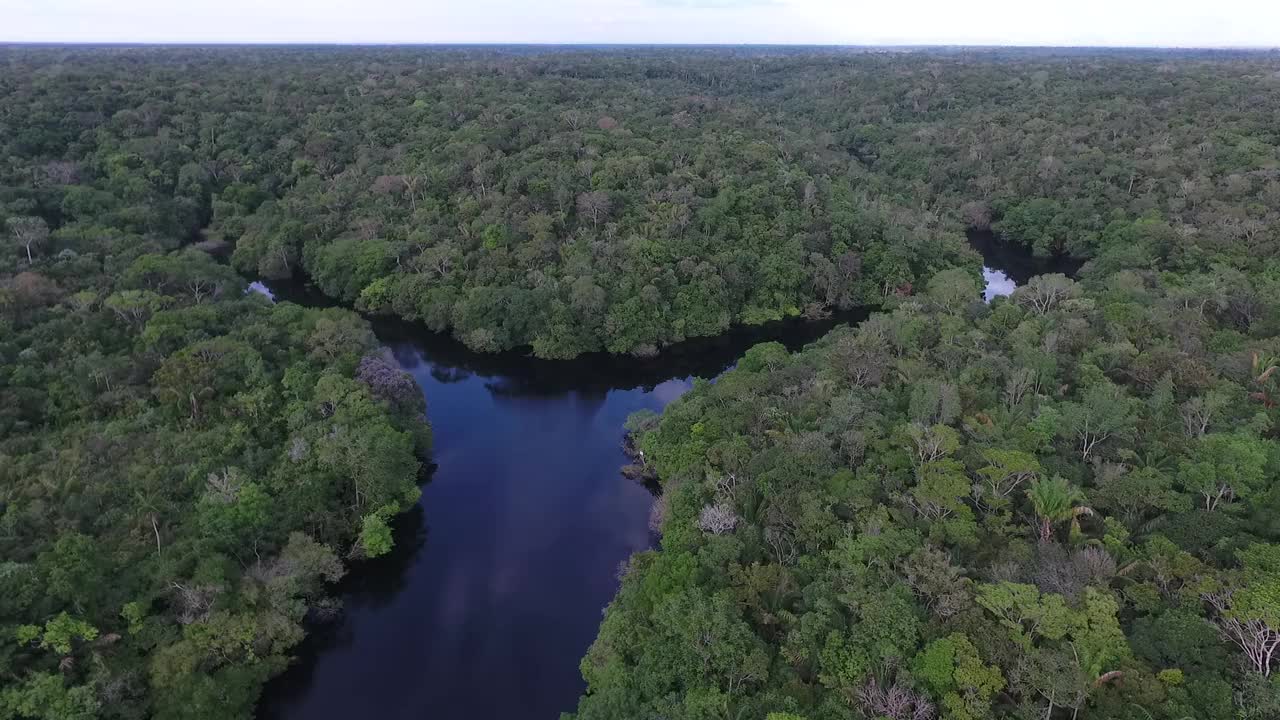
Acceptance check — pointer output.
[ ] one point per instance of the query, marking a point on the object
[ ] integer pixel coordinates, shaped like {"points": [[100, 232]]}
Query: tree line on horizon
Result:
{"points": [[575, 201]]}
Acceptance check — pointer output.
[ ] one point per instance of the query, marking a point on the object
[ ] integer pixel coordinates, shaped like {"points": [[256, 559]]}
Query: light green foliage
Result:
{"points": [[1258, 596], [134, 614], [1006, 471], [377, 296], [348, 266], [1097, 639], [46, 696], [134, 306], [1105, 412], [233, 513], [1041, 223], [953, 290], [1054, 500], [932, 443], [913, 515], [940, 493], [1038, 620], [1025, 613], [63, 630], [375, 535], [953, 670], [1139, 493], [1224, 467]]}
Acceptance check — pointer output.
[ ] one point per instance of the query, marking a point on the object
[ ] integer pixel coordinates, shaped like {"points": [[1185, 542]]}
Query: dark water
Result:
{"points": [[500, 575], [506, 569], [498, 580], [1005, 266]]}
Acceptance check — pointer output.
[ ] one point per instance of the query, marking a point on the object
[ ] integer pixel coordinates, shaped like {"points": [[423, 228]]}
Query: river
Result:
{"points": [[500, 574]]}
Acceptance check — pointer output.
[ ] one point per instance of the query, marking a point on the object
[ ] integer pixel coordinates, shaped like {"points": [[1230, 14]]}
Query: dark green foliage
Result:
{"points": [[1062, 505], [905, 543], [183, 467], [624, 200]]}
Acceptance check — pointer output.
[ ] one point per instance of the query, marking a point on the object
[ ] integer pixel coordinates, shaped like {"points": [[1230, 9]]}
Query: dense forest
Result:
{"points": [[184, 467], [623, 200], [1060, 505]]}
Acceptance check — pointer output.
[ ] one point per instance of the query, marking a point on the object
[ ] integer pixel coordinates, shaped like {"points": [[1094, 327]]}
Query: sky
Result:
{"points": [[1181, 23]]}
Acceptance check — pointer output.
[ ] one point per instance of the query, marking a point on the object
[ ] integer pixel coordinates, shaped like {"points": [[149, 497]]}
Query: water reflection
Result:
{"points": [[1005, 265], [996, 284], [259, 287], [517, 373], [528, 520]]}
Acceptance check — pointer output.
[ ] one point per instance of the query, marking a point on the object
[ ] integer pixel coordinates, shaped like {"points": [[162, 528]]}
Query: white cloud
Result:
{"points": [[1053, 22]]}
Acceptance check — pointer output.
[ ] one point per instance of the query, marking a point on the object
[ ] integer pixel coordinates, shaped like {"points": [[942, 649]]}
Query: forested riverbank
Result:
{"points": [[465, 597], [1060, 504], [184, 468], [577, 201], [1056, 505], [1063, 500]]}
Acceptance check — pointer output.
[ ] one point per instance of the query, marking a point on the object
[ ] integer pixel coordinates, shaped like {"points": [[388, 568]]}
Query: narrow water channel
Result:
{"points": [[498, 580], [496, 586]]}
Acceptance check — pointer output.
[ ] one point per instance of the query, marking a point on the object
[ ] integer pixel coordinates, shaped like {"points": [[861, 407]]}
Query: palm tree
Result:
{"points": [[1265, 366], [1055, 500]]}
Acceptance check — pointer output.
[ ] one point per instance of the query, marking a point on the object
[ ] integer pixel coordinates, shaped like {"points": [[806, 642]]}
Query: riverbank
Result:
{"points": [[494, 591]]}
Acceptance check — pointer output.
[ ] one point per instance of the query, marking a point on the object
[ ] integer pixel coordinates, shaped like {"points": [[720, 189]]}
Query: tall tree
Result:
{"points": [[29, 232]]}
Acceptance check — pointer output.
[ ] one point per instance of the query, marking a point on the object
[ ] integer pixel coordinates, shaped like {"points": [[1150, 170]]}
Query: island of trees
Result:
{"points": [[1059, 505]]}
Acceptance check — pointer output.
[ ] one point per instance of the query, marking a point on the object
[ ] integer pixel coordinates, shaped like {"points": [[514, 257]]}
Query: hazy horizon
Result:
{"points": [[637, 44], [1230, 24]]}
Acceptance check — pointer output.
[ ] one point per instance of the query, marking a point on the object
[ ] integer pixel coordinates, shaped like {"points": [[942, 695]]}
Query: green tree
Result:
{"points": [[1247, 607], [1054, 500], [1224, 467], [1105, 412], [953, 670], [46, 696], [375, 534]]}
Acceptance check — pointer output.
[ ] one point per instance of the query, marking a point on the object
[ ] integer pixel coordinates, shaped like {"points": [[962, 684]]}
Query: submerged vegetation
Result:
{"points": [[1058, 505]]}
